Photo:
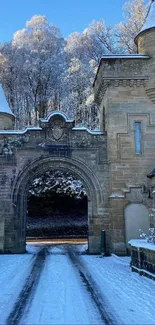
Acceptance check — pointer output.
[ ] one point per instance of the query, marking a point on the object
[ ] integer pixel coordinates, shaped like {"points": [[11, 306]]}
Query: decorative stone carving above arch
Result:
{"points": [[57, 127]]}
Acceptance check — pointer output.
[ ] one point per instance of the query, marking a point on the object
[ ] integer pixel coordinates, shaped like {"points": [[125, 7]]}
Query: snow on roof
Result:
{"points": [[150, 18], [62, 114], [4, 107], [132, 56]]}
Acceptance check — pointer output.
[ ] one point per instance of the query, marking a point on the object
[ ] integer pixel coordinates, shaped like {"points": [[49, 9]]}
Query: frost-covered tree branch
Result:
{"points": [[134, 13], [41, 71]]}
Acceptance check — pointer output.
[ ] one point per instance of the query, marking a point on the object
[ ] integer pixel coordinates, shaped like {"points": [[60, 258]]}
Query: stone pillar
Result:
{"points": [[5, 204], [9, 223], [97, 223], [117, 226]]}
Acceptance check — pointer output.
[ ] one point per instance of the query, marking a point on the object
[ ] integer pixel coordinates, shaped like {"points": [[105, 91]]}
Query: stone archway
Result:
{"points": [[55, 144], [75, 167]]}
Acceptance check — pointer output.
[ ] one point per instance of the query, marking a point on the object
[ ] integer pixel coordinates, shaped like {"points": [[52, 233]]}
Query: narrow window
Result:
{"points": [[138, 137]]}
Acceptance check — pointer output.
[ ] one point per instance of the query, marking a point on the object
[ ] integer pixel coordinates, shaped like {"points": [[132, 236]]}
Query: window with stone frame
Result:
{"points": [[138, 137]]}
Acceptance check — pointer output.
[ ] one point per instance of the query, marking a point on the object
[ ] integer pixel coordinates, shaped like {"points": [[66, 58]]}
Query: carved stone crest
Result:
{"points": [[57, 130]]}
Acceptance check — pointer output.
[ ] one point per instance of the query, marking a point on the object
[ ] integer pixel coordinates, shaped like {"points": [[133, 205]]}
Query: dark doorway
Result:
{"points": [[57, 207]]}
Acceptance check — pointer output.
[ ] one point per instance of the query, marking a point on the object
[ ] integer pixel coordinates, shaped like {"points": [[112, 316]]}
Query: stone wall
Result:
{"points": [[143, 258]]}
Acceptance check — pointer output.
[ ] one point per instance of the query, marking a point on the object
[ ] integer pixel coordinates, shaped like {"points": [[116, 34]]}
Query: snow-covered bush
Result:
{"points": [[60, 182], [151, 237]]}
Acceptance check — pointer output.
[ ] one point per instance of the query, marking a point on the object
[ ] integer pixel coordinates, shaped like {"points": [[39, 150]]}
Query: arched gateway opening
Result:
{"points": [[57, 208], [45, 164]]}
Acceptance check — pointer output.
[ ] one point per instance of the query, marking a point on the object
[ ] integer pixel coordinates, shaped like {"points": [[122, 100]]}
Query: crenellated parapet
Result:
{"points": [[120, 71]]}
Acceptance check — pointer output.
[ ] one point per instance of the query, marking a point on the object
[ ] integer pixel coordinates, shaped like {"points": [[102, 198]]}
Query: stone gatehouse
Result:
{"points": [[56, 145], [111, 163]]}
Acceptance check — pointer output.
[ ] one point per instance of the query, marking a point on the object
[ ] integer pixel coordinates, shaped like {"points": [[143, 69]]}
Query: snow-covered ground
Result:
{"points": [[61, 289], [130, 295], [13, 272]]}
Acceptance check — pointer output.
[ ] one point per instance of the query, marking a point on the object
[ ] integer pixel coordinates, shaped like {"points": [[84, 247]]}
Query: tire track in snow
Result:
{"points": [[28, 289], [93, 289]]}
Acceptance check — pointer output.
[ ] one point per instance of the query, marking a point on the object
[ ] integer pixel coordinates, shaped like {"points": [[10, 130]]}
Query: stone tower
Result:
{"points": [[7, 118], [145, 41], [124, 89]]}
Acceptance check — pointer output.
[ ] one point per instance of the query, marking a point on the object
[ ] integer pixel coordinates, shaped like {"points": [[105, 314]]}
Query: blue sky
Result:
{"points": [[67, 15]]}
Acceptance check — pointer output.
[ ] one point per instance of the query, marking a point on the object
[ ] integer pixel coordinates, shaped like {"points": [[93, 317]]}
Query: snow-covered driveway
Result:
{"points": [[55, 284], [60, 296], [46, 287]]}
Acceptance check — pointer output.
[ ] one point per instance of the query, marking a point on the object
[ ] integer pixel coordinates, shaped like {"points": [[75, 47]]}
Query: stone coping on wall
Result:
{"points": [[31, 128]]}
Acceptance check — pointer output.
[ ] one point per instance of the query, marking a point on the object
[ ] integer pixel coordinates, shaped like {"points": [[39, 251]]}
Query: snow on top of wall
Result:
{"points": [[150, 18], [82, 128], [141, 243], [55, 113], [20, 132], [4, 107], [116, 196], [34, 128], [132, 56]]}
